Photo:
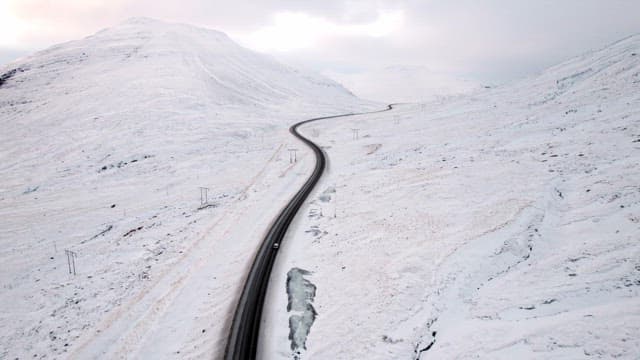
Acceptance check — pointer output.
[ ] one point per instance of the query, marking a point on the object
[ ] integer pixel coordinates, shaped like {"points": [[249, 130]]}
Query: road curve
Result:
{"points": [[242, 343]]}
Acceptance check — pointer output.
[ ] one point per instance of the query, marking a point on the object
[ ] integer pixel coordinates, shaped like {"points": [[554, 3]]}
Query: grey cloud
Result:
{"points": [[491, 40]]}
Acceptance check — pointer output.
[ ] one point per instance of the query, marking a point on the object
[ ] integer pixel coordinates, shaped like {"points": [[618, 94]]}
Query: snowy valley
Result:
{"points": [[404, 84], [500, 224]]}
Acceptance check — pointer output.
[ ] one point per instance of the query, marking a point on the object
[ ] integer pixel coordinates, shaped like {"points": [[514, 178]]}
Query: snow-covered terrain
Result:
{"points": [[502, 225], [403, 83], [104, 144]]}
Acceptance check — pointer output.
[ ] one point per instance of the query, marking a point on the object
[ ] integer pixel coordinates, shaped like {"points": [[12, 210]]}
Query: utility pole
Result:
{"points": [[204, 196], [71, 261], [335, 202], [293, 156]]}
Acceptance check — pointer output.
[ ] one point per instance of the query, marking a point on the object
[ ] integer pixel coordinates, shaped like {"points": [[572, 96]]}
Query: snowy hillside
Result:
{"points": [[149, 56], [404, 84], [503, 225], [105, 142]]}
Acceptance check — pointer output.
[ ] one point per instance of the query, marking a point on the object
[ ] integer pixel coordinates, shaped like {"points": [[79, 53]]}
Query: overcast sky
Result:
{"points": [[486, 40]]}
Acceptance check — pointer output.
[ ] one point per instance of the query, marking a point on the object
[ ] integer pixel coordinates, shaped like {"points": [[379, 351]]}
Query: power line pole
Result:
{"points": [[355, 134], [293, 156], [334, 201], [204, 196], [71, 261]]}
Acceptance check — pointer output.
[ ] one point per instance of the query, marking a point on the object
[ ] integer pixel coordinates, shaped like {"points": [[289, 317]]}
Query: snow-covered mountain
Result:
{"points": [[104, 145], [500, 225], [593, 74], [403, 83], [146, 57]]}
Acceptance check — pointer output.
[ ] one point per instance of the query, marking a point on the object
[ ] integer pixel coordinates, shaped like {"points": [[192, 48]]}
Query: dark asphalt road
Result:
{"points": [[243, 337]]}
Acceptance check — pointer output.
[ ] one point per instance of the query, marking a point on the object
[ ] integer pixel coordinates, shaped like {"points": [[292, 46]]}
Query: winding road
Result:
{"points": [[243, 337]]}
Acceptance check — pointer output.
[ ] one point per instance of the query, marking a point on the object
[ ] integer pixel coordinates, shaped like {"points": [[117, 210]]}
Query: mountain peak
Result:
{"points": [[142, 20], [157, 27]]}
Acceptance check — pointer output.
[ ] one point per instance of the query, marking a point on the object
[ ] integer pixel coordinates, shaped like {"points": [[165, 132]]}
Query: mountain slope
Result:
{"points": [[151, 56], [105, 144], [500, 225]]}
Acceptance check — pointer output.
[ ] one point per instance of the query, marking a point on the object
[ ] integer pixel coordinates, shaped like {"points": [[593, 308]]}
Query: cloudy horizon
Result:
{"points": [[489, 41]]}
